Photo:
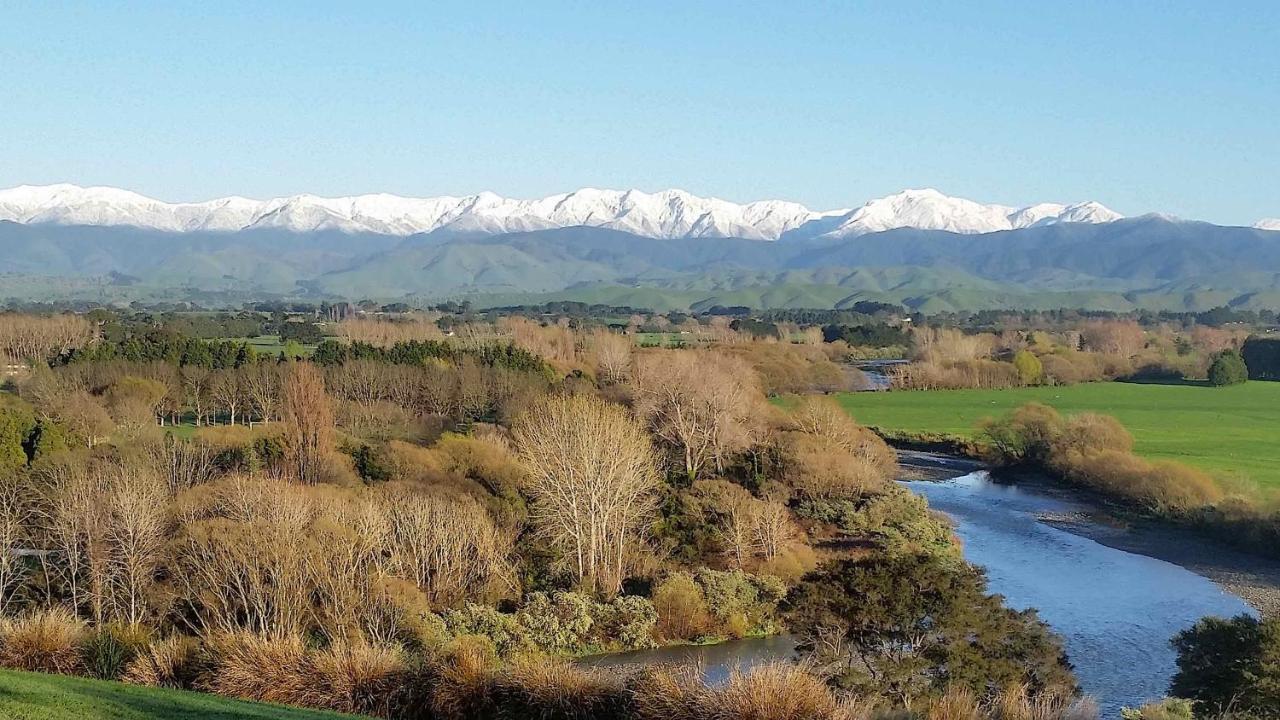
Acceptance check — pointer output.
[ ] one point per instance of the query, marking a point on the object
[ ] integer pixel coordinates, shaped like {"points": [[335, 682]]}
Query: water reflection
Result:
{"points": [[716, 662]]}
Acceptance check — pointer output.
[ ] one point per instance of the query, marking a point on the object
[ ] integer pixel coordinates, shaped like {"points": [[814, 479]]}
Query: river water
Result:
{"points": [[1116, 610]]}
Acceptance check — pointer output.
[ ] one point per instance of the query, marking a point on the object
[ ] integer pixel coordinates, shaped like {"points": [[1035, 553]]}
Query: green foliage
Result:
{"points": [[744, 604], [1262, 356], [372, 463], [869, 335], [911, 626], [1228, 368], [1230, 665], [109, 649], [419, 352], [1030, 369], [560, 623], [896, 519], [17, 423], [1167, 709]]}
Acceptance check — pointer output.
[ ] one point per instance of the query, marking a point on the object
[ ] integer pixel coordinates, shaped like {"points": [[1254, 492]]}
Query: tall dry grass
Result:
{"points": [[49, 641]]}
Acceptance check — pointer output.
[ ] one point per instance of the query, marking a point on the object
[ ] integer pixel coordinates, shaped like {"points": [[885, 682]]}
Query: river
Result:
{"points": [[1116, 610]]}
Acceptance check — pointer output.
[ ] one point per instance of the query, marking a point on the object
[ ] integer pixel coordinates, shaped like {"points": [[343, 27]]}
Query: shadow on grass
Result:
{"points": [[1167, 381]]}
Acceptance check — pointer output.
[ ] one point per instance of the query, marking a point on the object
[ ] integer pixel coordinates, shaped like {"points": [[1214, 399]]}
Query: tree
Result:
{"points": [[1230, 666], [702, 404], [262, 385], [1030, 369], [227, 390], [16, 520], [1228, 368], [909, 626], [613, 355], [592, 479], [196, 380], [17, 422], [309, 414], [1262, 356]]}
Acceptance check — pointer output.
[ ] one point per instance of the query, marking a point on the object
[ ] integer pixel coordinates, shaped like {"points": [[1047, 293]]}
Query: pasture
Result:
{"points": [[1229, 431]]}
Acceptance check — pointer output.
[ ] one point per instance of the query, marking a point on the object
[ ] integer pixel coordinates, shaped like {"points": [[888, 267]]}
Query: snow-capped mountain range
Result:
{"points": [[1268, 224], [667, 214]]}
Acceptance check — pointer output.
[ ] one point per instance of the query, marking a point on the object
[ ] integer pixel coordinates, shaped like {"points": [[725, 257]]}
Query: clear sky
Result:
{"points": [[1169, 106]]}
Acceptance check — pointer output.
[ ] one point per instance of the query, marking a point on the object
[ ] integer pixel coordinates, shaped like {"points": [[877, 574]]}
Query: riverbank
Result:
{"points": [[1254, 578]]}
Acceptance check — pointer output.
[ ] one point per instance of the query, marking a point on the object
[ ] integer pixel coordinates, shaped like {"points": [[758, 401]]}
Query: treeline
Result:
{"points": [[419, 352], [948, 358]]}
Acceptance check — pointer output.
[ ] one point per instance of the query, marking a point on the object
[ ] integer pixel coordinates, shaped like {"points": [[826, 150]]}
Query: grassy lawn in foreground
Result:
{"points": [[1231, 431], [33, 696]]}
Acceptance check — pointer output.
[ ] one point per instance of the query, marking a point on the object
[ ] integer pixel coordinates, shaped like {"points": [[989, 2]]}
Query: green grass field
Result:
{"points": [[33, 696], [1231, 431], [269, 345]]}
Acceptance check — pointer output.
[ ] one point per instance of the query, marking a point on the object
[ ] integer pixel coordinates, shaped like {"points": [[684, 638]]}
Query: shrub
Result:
{"points": [[173, 663], [627, 622], [559, 691], [503, 630], [909, 627], [46, 641], [1030, 369], [1262, 356], [254, 667], [1230, 665], [355, 678], [682, 608], [108, 650], [775, 691], [464, 687], [1167, 709], [1228, 368]]}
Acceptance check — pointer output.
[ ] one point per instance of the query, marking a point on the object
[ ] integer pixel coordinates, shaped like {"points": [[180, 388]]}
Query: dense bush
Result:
{"points": [[1095, 451], [1262, 355], [908, 627], [1230, 665], [1228, 368]]}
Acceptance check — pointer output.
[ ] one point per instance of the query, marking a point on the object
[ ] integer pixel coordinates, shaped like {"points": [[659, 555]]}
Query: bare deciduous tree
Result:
{"points": [[701, 403], [262, 385], [309, 414], [613, 355], [592, 479]]}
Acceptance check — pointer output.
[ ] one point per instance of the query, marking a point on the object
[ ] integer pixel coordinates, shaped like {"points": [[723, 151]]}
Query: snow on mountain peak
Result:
{"points": [[1268, 224], [663, 214], [929, 209]]}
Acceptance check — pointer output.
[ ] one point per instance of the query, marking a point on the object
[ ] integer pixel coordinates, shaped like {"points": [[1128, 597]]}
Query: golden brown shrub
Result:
{"points": [[45, 641], [777, 691], [682, 608], [542, 687], [250, 666], [355, 678], [1087, 432], [167, 663], [1159, 485]]}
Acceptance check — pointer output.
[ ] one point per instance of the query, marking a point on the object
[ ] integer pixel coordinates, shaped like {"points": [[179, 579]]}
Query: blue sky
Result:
{"points": [[1170, 106]]}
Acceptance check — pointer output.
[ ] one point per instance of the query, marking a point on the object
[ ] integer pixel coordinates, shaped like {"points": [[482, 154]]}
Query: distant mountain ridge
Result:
{"points": [[1149, 261], [668, 214]]}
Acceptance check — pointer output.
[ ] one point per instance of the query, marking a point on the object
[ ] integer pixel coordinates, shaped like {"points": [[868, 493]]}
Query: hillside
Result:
{"points": [[1148, 262]]}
